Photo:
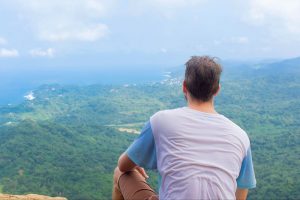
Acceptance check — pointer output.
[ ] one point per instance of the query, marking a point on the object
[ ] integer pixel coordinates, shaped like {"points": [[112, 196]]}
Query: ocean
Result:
{"points": [[15, 84]]}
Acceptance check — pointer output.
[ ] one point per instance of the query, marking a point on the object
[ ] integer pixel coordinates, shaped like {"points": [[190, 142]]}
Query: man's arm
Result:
{"points": [[125, 164], [241, 194], [140, 153]]}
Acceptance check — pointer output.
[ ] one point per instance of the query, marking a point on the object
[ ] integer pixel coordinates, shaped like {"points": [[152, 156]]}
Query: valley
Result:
{"points": [[66, 140]]}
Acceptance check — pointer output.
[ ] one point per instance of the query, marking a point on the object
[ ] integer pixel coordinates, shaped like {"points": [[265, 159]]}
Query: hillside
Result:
{"points": [[66, 140]]}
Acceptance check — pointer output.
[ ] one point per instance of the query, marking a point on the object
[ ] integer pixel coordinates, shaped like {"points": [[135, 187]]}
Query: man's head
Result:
{"points": [[202, 77]]}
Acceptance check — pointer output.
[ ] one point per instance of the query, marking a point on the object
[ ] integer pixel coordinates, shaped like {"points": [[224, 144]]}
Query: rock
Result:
{"points": [[29, 197]]}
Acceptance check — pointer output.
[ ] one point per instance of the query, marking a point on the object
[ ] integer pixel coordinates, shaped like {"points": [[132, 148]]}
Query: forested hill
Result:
{"points": [[65, 140]]}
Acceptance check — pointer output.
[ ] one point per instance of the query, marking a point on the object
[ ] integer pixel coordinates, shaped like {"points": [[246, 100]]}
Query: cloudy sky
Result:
{"points": [[145, 33]]}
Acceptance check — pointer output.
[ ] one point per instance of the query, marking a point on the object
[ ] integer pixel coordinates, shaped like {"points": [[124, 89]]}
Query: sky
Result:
{"points": [[147, 33]]}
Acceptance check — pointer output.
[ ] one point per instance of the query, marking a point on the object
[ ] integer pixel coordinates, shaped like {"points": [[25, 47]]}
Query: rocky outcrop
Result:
{"points": [[29, 197]]}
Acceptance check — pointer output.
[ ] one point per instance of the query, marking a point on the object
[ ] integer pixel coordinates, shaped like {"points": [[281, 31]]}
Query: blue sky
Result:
{"points": [[111, 33]]}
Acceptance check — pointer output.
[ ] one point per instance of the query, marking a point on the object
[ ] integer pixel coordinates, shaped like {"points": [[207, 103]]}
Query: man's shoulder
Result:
{"points": [[167, 112], [165, 117], [237, 130], [233, 125]]}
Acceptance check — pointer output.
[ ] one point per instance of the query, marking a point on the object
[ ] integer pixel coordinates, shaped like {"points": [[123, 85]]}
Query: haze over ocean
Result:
{"points": [[15, 84]]}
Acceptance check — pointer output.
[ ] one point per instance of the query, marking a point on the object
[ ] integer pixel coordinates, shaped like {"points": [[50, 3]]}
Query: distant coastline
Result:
{"points": [[18, 86]]}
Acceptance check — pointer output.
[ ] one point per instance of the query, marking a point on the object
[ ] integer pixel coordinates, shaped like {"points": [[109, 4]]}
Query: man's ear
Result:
{"points": [[184, 89], [218, 91]]}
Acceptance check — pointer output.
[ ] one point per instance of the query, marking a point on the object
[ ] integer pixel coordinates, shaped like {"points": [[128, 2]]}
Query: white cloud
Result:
{"points": [[167, 8], [173, 3], [163, 50], [240, 40], [56, 20], [2, 41], [92, 33], [217, 42], [276, 13], [9, 53], [42, 53]]}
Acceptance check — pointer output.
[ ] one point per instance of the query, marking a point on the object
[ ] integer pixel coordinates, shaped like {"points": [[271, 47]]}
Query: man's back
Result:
{"points": [[199, 155]]}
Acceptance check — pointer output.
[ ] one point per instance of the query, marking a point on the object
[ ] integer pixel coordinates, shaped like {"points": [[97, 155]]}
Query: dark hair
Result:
{"points": [[202, 77]]}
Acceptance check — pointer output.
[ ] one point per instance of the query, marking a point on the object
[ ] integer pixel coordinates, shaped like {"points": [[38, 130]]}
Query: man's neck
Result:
{"points": [[207, 107]]}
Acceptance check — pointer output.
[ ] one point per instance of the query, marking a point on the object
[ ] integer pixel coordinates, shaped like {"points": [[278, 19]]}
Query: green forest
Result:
{"points": [[67, 140]]}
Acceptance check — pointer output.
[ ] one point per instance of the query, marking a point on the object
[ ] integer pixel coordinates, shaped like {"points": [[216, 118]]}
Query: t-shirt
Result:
{"points": [[198, 155]]}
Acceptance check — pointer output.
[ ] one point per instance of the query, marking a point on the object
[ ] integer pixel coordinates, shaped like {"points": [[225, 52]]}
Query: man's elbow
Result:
{"points": [[121, 166], [125, 164]]}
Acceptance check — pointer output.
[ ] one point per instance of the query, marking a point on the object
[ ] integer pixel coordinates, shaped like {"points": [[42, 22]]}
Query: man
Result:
{"points": [[198, 153]]}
